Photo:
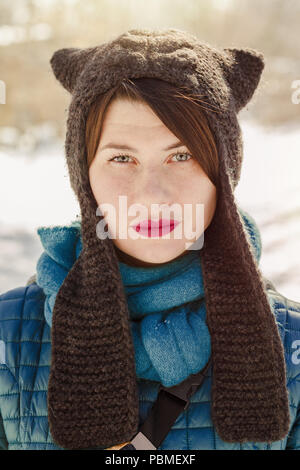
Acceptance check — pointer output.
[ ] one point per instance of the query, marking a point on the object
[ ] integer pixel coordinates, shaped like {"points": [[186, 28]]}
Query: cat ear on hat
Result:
{"points": [[243, 68], [68, 63]]}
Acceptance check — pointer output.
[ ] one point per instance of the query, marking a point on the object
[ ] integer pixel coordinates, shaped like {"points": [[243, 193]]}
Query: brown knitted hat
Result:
{"points": [[92, 392]]}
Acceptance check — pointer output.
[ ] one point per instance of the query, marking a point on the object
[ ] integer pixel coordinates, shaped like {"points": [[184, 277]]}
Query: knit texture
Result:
{"points": [[98, 406]]}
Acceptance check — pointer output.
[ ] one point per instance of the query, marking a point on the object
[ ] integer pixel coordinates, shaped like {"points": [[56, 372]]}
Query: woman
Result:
{"points": [[109, 318]]}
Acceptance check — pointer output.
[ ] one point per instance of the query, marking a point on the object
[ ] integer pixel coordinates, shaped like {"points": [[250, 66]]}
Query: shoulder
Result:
{"points": [[18, 305], [287, 315], [287, 311]]}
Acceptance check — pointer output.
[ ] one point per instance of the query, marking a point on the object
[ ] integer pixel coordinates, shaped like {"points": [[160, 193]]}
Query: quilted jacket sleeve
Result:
{"points": [[3, 440], [293, 442], [288, 317]]}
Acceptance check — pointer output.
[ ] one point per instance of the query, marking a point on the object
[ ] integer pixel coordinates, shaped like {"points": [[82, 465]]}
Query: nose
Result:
{"points": [[154, 188]]}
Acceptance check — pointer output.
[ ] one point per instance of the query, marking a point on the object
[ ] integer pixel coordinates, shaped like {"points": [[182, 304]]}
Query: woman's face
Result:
{"points": [[149, 177]]}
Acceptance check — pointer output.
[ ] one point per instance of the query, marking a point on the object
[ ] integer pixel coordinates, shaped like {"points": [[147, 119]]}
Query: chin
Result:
{"points": [[156, 255], [156, 260]]}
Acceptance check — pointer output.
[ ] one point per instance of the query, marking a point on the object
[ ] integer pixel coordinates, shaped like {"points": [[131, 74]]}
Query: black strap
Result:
{"points": [[171, 401]]}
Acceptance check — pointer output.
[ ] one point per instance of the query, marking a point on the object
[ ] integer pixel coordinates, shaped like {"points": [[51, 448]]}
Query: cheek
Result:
{"points": [[199, 191], [107, 189]]}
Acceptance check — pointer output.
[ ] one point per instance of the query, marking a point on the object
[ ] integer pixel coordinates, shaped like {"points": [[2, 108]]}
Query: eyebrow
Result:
{"points": [[112, 145]]}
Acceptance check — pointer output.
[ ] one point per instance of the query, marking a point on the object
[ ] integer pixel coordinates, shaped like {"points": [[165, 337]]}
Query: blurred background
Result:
{"points": [[34, 184]]}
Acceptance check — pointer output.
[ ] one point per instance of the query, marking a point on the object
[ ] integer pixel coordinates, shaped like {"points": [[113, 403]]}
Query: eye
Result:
{"points": [[124, 156], [119, 156], [182, 153]]}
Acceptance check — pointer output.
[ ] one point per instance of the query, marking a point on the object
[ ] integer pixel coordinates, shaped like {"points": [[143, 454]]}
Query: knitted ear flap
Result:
{"points": [[242, 69], [68, 63], [249, 396], [92, 389]]}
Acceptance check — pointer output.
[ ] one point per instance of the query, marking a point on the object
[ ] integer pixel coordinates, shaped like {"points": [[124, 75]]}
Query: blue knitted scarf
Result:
{"points": [[166, 303]]}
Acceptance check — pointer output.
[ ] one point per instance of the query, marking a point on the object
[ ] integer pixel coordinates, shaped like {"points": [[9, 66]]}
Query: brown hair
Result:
{"points": [[183, 114]]}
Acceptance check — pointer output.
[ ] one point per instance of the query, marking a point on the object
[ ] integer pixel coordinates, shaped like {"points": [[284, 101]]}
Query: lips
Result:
{"points": [[154, 228]]}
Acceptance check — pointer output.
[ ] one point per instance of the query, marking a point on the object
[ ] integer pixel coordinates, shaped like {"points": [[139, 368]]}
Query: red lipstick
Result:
{"points": [[154, 228]]}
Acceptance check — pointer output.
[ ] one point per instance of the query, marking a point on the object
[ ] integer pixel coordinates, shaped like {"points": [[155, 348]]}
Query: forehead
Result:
{"points": [[125, 116]]}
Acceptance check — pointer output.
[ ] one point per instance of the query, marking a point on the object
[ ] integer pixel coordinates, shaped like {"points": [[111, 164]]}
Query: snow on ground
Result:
{"points": [[35, 191]]}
